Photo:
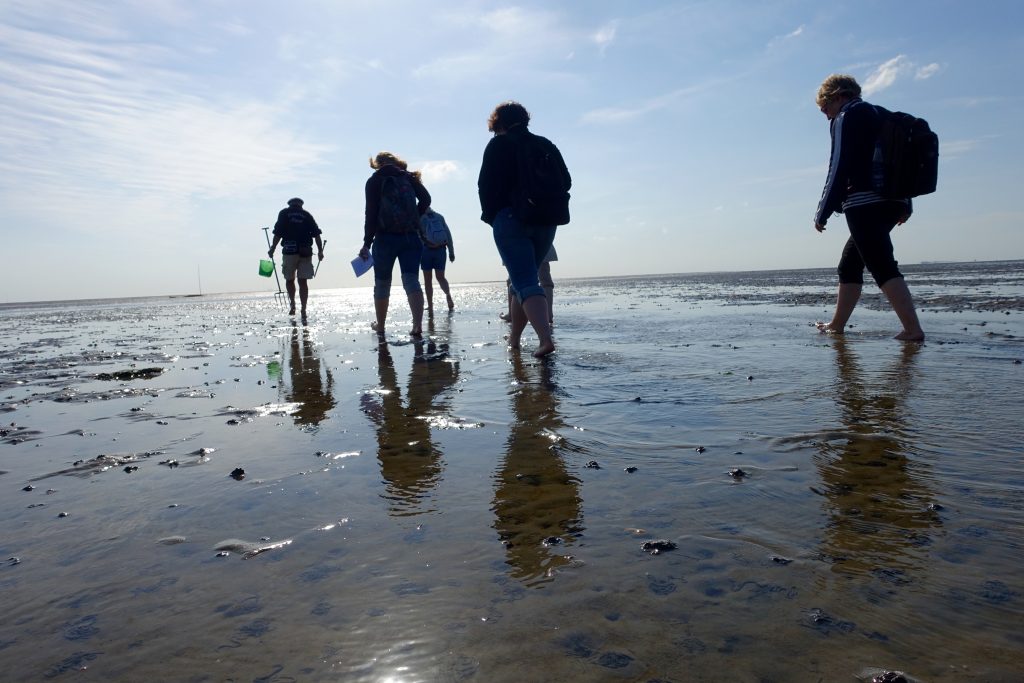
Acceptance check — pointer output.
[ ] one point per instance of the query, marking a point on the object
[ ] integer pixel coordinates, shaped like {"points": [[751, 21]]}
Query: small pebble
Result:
{"points": [[750, 378], [780, 560], [30, 487], [223, 553], [592, 465], [700, 449], [131, 468], [737, 473], [162, 422], [63, 514], [630, 469], [238, 474], [173, 505]]}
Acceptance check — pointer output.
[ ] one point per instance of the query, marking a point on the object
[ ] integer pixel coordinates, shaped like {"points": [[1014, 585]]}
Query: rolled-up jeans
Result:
{"points": [[389, 247], [522, 249]]}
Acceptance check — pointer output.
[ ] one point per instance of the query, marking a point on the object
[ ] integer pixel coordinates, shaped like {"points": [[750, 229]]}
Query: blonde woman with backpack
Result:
{"points": [[395, 201]]}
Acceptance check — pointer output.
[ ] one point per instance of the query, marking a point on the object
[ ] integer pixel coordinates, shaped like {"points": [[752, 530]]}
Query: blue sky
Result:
{"points": [[146, 140]]}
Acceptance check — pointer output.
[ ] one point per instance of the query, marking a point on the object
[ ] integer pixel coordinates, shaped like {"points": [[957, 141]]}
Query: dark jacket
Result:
{"points": [[296, 228], [498, 183], [854, 132], [373, 188]]}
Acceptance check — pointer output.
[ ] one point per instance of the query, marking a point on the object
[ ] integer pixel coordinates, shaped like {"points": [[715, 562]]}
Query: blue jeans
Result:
{"points": [[388, 247], [522, 249]]}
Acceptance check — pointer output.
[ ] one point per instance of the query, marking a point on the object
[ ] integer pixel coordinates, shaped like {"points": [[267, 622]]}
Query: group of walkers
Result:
{"points": [[398, 211]]}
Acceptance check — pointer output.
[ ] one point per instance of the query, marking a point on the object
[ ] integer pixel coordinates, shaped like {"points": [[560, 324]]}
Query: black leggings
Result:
{"points": [[869, 244]]}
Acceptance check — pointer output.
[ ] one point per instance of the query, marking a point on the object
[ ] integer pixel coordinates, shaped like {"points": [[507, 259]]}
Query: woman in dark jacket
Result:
{"points": [[522, 247], [854, 126], [393, 239]]}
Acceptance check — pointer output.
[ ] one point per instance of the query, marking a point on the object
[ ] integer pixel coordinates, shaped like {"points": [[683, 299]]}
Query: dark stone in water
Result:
{"points": [[125, 375], [552, 540], [737, 473], [30, 487], [780, 560], [630, 469], [592, 465], [890, 677], [656, 547], [700, 449], [63, 514], [237, 474], [131, 468]]}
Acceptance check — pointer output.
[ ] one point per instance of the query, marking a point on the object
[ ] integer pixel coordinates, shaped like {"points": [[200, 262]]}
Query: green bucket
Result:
{"points": [[266, 268]]}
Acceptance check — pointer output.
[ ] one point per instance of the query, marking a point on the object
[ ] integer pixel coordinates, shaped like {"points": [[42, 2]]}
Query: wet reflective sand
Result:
{"points": [[445, 510]]}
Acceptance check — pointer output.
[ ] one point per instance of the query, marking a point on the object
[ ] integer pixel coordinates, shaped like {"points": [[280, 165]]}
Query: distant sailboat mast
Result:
{"points": [[199, 276]]}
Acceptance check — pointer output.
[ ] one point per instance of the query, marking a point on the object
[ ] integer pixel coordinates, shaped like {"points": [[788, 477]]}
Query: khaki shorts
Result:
{"points": [[292, 263]]}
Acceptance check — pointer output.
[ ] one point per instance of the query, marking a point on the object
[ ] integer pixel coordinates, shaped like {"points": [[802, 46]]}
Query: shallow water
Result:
{"points": [[426, 512]]}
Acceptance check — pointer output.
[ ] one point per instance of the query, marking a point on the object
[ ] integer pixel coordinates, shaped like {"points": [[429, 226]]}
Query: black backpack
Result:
{"points": [[398, 212], [543, 194], [906, 158]]}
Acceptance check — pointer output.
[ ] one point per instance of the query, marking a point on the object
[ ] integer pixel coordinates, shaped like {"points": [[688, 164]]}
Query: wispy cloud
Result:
{"points": [[91, 121], [605, 35], [887, 73], [611, 115], [927, 71], [795, 33]]}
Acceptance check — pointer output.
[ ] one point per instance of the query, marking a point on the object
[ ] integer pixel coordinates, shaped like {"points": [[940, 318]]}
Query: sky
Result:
{"points": [[145, 144]]}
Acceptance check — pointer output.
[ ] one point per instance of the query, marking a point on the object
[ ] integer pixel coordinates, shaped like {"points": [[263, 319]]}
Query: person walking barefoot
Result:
{"points": [[854, 126], [522, 240], [395, 200]]}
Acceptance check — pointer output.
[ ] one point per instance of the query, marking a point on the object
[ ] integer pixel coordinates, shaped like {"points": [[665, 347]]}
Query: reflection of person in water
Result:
{"points": [[311, 388], [878, 497], [410, 464], [536, 500]]}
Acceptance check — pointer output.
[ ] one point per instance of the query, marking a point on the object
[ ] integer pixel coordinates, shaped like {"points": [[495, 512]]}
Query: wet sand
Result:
{"points": [[825, 508]]}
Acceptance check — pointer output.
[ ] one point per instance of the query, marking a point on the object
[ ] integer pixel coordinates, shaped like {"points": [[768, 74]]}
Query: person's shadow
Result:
{"points": [[410, 464], [310, 385], [879, 502], [537, 506]]}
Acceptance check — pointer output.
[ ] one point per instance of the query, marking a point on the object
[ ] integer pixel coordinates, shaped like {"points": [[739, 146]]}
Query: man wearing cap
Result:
{"points": [[296, 230]]}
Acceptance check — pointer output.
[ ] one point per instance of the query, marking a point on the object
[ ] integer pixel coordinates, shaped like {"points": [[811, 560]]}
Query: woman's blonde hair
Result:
{"points": [[388, 159], [835, 85]]}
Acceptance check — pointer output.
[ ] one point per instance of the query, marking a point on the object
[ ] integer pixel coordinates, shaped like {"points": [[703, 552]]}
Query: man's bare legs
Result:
{"points": [[846, 301], [303, 295], [290, 286], [902, 302], [535, 311]]}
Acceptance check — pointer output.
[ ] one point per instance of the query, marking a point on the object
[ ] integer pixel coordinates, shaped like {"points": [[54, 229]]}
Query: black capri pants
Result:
{"points": [[869, 245]]}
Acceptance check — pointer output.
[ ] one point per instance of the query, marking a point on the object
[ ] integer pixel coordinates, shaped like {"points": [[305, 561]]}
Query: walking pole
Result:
{"points": [[320, 261], [280, 293]]}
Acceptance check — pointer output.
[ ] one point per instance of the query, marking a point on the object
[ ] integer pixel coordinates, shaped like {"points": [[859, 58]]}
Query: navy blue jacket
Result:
{"points": [[854, 131]]}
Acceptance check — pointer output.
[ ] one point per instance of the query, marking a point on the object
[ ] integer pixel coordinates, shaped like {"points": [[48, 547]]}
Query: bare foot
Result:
{"points": [[451, 304], [379, 329], [910, 337], [505, 316], [416, 333], [826, 328], [544, 349]]}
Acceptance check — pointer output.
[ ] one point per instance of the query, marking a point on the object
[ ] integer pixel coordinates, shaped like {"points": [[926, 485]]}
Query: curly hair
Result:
{"points": [[507, 115], [835, 85]]}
